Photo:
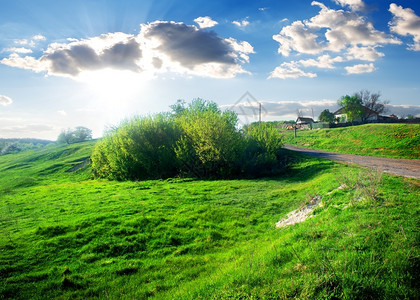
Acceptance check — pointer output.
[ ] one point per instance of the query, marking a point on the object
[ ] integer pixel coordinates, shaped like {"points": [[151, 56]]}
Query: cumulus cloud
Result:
{"points": [[159, 47], [324, 61], [4, 100], [353, 4], [339, 31], [406, 23], [186, 48], [205, 22], [330, 30], [241, 24], [364, 53], [360, 69], [290, 70]]}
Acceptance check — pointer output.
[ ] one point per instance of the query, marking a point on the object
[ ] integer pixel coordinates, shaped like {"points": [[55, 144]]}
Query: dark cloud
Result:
{"points": [[81, 56], [190, 46]]}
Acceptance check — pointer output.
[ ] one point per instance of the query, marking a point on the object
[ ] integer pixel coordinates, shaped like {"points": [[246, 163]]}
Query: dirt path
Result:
{"points": [[402, 167]]}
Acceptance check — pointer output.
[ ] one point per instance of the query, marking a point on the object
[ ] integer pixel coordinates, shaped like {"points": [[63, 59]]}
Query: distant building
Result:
{"points": [[304, 121]]}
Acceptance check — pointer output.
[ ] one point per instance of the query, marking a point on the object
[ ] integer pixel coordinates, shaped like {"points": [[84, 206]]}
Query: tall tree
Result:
{"points": [[352, 107], [326, 116], [371, 101]]}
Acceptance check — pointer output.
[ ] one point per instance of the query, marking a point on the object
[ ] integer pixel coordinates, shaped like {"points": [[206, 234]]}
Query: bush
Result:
{"points": [[210, 145], [140, 148], [198, 140]]}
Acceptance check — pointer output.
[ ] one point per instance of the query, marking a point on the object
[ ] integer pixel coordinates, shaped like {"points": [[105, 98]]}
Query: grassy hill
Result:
{"points": [[386, 140], [64, 235]]}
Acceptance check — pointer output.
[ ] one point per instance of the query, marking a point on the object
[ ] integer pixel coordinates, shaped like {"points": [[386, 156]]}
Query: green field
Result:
{"points": [[386, 140], [64, 235]]}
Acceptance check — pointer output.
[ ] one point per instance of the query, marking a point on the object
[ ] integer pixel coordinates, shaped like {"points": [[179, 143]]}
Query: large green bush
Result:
{"points": [[196, 140], [140, 148]]}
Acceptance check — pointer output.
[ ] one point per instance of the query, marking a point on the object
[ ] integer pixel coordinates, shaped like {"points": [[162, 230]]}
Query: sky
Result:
{"points": [[95, 63]]}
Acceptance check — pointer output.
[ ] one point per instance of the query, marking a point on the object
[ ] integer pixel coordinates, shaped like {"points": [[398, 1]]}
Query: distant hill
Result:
{"points": [[9, 146]]}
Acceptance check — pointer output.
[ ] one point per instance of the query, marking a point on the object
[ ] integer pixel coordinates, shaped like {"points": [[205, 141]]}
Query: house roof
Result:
{"points": [[302, 119]]}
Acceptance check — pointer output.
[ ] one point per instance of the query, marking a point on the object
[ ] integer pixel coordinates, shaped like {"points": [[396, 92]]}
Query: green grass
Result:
{"points": [[64, 235], [386, 140]]}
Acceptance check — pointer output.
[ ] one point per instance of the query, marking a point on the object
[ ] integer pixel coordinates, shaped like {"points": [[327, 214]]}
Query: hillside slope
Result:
{"points": [[386, 140], [64, 235]]}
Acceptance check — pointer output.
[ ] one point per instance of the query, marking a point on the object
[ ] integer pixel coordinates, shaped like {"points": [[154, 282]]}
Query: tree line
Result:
{"points": [[195, 140]]}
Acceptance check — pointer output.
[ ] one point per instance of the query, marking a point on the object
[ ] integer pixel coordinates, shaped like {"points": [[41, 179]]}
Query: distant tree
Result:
{"points": [[326, 116], [371, 101], [79, 134], [410, 117], [82, 134], [178, 107], [352, 107], [65, 137]]}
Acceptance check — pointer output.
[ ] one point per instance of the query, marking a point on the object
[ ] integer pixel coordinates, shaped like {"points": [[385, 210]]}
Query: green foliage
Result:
{"points": [[77, 135], [263, 149], [198, 140], [352, 107], [326, 116], [140, 148], [387, 140], [210, 145]]}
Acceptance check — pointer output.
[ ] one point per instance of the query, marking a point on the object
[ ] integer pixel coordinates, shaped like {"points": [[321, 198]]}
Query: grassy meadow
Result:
{"points": [[386, 140], [64, 235]]}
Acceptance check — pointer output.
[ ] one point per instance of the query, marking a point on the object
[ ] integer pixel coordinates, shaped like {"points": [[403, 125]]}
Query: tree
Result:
{"points": [[326, 116], [70, 136], [82, 134], [352, 107], [372, 102]]}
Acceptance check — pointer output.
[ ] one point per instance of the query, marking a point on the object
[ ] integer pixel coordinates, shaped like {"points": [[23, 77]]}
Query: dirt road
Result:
{"points": [[402, 167]]}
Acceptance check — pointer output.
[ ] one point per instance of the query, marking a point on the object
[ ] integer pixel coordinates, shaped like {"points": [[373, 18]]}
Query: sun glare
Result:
{"points": [[113, 92]]}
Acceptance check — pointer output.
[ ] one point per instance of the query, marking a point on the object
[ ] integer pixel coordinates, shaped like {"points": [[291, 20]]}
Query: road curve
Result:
{"points": [[401, 167]]}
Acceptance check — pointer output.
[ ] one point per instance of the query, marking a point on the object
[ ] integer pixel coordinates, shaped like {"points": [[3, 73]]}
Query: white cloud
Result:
{"points": [[364, 53], [405, 22], [330, 30], [39, 37], [205, 22], [242, 23], [263, 8], [4, 100], [324, 62], [289, 70], [159, 47], [62, 112], [361, 68], [353, 4], [297, 37], [18, 50]]}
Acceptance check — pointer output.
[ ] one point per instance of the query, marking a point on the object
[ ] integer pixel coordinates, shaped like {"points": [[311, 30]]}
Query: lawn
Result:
{"points": [[64, 235], [386, 140]]}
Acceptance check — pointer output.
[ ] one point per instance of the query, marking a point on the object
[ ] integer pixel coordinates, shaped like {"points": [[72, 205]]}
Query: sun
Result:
{"points": [[113, 92]]}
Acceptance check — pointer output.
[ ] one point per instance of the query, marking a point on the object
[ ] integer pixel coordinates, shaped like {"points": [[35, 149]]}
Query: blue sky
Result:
{"points": [[92, 63]]}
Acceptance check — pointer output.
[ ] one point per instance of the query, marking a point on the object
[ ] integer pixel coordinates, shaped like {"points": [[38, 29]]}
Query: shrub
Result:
{"points": [[198, 140], [138, 149], [210, 145]]}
